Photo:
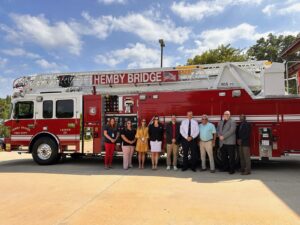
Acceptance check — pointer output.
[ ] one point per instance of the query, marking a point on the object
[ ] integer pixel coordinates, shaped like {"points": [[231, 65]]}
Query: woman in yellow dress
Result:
{"points": [[142, 137]]}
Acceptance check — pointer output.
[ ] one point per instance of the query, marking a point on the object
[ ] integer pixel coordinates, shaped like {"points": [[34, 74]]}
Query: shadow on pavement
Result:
{"points": [[281, 176]]}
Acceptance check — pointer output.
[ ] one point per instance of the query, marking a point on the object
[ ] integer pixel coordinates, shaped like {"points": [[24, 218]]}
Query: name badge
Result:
{"points": [[112, 135]]}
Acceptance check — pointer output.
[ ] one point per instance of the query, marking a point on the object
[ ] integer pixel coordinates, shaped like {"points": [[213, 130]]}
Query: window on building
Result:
{"points": [[24, 110], [64, 109], [48, 109]]}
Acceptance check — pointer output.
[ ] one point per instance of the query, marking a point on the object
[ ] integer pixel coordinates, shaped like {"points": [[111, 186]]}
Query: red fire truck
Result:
{"points": [[64, 113]]}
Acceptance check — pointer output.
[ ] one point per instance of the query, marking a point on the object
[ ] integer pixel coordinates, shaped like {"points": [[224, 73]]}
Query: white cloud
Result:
{"points": [[39, 30], [215, 37], [149, 26], [136, 56], [151, 30], [50, 66], [100, 27], [268, 9], [20, 52], [3, 62], [201, 9], [283, 8], [108, 2], [11, 34], [211, 39]]}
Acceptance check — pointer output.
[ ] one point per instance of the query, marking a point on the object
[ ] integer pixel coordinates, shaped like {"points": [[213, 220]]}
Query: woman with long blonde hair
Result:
{"points": [[142, 147]]}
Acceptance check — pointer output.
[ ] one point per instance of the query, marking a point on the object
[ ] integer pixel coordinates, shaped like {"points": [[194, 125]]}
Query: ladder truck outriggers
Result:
{"points": [[65, 113]]}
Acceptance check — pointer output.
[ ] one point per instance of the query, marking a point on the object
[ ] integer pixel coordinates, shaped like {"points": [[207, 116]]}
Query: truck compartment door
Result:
{"points": [[265, 141], [91, 124]]}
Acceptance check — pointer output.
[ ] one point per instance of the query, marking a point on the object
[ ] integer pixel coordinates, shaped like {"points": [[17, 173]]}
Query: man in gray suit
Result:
{"points": [[227, 137]]}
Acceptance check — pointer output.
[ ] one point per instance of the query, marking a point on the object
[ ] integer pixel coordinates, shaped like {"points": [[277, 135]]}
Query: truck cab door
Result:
{"points": [[23, 122]]}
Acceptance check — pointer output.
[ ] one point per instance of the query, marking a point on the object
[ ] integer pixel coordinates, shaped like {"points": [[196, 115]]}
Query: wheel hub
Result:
{"points": [[44, 151]]}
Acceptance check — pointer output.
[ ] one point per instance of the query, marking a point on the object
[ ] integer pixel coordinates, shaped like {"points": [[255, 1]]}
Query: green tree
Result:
{"points": [[224, 53], [4, 107], [270, 48], [4, 114]]}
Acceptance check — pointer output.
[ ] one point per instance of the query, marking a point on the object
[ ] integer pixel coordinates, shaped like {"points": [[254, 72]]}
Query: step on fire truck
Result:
{"points": [[65, 113]]}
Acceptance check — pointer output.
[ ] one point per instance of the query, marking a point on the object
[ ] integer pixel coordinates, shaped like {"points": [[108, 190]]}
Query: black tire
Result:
{"points": [[58, 158], [218, 157], [180, 156], [76, 156], [45, 151]]}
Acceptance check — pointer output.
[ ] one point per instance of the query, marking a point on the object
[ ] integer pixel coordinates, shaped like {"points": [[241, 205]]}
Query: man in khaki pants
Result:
{"points": [[207, 142], [172, 139]]}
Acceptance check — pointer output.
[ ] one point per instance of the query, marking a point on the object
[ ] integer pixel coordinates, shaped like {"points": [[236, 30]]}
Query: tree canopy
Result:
{"points": [[264, 49], [270, 48], [223, 53], [4, 114]]}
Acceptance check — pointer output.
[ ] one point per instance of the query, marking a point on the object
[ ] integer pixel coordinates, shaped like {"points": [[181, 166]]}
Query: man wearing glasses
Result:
{"points": [[189, 130], [227, 137], [207, 142]]}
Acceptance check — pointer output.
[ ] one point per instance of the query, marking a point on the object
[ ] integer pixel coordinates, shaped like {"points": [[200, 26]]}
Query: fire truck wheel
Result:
{"points": [[218, 157], [180, 157], [45, 151]]}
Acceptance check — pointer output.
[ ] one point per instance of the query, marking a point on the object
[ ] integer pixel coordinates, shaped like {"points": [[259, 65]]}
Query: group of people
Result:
{"points": [[190, 135]]}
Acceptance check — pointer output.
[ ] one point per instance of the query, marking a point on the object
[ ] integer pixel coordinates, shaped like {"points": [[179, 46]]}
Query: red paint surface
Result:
{"points": [[200, 102]]}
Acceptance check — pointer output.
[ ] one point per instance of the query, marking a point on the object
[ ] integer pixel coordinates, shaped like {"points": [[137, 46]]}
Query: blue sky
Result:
{"points": [[73, 35]]}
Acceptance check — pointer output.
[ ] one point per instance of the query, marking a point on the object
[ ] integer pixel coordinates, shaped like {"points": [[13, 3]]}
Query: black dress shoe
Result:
{"points": [[231, 172], [246, 173], [183, 169], [193, 169]]}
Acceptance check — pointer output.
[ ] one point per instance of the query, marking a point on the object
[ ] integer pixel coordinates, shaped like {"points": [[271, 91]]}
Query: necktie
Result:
{"points": [[225, 121], [189, 130]]}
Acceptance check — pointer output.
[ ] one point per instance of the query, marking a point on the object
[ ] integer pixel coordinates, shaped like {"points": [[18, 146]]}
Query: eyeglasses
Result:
{"points": [[204, 119]]}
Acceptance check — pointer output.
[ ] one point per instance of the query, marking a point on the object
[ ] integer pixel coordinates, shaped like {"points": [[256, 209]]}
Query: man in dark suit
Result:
{"points": [[227, 137], [189, 130], [172, 139], [243, 141]]}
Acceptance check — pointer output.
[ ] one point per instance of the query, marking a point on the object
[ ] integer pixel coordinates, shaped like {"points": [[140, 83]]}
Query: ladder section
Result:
{"points": [[247, 75]]}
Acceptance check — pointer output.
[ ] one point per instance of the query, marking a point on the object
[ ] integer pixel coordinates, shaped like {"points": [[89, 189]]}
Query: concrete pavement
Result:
{"points": [[82, 192]]}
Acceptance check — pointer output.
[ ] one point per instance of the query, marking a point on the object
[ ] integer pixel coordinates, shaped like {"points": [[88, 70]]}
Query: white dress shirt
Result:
{"points": [[184, 128]]}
